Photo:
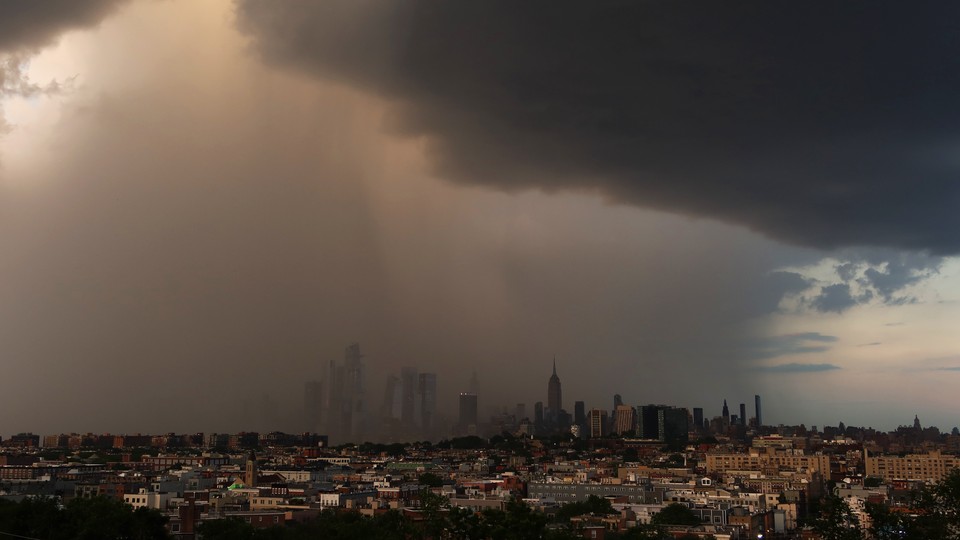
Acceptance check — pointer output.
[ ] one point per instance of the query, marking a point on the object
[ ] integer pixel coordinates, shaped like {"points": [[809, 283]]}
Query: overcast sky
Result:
{"points": [[202, 203]]}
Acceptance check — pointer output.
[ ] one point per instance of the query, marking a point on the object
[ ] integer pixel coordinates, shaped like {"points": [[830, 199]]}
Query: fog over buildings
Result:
{"points": [[202, 204]]}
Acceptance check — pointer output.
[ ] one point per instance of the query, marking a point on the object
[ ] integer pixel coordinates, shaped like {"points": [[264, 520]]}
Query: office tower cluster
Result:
{"points": [[409, 408], [726, 422], [337, 404]]}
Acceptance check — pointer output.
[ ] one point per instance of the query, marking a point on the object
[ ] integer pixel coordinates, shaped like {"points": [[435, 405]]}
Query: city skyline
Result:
{"points": [[203, 203]]}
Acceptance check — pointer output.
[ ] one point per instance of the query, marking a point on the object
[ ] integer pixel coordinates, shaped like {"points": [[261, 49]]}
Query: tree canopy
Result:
{"points": [[675, 514]]}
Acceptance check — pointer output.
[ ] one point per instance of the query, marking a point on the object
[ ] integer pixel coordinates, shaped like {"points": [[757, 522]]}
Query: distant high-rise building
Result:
{"points": [[538, 414], [743, 414], [428, 401], [672, 425], [726, 413], [520, 412], [579, 413], [647, 424], [313, 405], [410, 386], [663, 423], [617, 402], [624, 422], [756, 401], [698, 418], [346, 408], [392, 399], [597, 419], [554, 396], [468, 411], [916, 422]]}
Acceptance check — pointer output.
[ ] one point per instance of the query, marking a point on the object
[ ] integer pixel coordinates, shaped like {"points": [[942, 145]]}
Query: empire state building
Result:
{"points": [[554, 400]]}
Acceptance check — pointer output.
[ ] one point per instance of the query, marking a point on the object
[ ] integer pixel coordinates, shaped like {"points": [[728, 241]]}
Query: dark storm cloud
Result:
{"points": [[868, 276], [27, 25], [819, 123], [835, 298], [897, 274], [30, 24], [773, 287]]}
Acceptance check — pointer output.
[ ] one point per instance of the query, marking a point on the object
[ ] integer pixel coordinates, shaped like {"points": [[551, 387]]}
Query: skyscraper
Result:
{"points": [[698, 418], [663, 423], [743, 414], [554, 397], [648, 425], [346, 408], [428, 401], [756, 401], [410, 385], [598, 423], [725, 414], [624, 422], [468, 412], [672, 425], [392, 399]]}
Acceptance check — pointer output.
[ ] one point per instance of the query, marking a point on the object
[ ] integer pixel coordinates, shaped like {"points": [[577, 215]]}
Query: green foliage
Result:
{"points": [[871, 482], [593, 505], [675, 514], [430, 479], [836, 521], [225, 529], [81, 519], [392, 449], [470, 442]]}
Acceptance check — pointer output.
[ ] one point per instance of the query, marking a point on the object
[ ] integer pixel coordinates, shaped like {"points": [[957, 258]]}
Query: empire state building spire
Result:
{"points": [[554, 396]]}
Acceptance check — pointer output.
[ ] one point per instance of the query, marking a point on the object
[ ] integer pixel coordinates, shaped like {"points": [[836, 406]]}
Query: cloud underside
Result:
{"points": [[790, 344], [859, 277], [818, 123], [28, 24], [800, 368]]}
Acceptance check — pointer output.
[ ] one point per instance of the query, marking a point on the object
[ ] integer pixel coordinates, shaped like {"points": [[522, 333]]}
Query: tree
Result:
{"points": [[675, 514], [593, 505], [81, 519], [434, 508], [430, 480], [836, 520]]}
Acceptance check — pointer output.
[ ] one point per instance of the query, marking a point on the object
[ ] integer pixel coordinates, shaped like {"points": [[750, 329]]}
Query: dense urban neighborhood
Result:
{"points": [[747, 482]]}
